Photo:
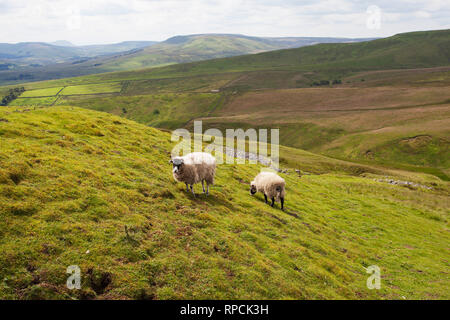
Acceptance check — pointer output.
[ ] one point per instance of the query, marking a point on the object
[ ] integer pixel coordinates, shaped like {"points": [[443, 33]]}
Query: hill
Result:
{"points": [[35, 53], [389, 117], [135, 55], [39, 53], [79, 187], [408, 50], [62, 43], [181, 49]]}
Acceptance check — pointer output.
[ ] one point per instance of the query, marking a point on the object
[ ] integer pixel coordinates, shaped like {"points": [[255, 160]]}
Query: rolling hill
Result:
{"points": [[181, 49], [80, 187], [23, 61], [84, 178], [25, 54], [408, 50], [76, 61], [393, 117]]}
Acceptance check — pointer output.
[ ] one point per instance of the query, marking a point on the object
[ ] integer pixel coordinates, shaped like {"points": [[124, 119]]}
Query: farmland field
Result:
{"points": [[92, 88], [166, 110], [41, 92], [33, 101]]}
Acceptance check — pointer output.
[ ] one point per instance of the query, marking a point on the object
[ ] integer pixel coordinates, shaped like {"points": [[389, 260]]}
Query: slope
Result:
{"points": [[79, 187], [38, 53], [182, 49], [392, 117], [134, 55]]}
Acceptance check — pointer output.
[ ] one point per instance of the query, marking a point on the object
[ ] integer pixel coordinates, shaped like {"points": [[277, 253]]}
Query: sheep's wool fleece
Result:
{"points": [[198, 166], [267, 183]]}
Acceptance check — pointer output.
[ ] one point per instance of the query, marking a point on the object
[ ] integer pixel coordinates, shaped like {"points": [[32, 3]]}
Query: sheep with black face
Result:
{"points": [[271, 185], [194, 168]]}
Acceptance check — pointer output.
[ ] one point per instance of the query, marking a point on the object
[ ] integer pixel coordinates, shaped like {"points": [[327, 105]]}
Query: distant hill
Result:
{"points": [[35, 53], [62, 43], [61, 62], [223, 96], [407, 50], [181, 49], [26, 54]]}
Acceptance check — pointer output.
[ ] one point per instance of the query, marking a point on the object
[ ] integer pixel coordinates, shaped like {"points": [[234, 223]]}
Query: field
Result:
{"points": [[62, 61], [169, 110], [41, 92], [373, 121], [396, 118], [92, 89], [33, 101], [92, 189]]}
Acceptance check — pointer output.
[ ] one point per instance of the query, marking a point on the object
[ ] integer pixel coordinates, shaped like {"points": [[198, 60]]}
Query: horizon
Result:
{"points": [[210, 34], [109, 21]]}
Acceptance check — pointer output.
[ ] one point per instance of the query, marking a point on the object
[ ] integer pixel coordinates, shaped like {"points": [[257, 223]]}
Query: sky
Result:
{"points": [[108, 21]]}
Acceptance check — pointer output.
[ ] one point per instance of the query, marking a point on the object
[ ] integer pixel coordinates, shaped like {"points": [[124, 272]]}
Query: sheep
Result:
{"points": [[271, 185], [194, 168]]}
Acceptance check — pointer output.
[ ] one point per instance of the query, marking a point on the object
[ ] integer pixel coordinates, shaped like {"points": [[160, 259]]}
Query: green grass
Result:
{"points": [[334, 60], [169, 110], [41, 92], [408, 50], [92, 88], [33, 101], [359, 120], [343, 122], [72, 179], [188, 49]]}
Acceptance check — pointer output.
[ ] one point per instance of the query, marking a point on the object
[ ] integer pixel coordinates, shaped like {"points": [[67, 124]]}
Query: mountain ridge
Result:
{"points": [[135, 55]]}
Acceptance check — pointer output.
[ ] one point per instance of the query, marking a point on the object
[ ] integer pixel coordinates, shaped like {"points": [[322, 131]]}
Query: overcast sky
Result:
{"points": [[108, 21]]}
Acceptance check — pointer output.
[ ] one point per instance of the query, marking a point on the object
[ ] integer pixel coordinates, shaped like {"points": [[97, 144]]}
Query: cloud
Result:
{"points": [[103, 21]]}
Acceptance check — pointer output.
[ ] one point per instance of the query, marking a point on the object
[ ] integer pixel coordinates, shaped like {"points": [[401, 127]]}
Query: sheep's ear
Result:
{"points": [[170, 161]]}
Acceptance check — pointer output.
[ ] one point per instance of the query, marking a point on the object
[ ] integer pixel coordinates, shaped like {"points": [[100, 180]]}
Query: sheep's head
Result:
{"points": [[252, 188], [177, 165]]}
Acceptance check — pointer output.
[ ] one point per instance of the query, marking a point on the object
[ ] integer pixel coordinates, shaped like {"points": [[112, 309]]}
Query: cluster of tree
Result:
{"points": [[326, 82], [12, 94]]}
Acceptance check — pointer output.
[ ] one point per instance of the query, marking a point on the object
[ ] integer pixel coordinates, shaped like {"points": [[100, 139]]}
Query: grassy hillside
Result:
{"points": [[370, 120], [95, 190], [407, 50], [24, 54], [424, 49], [182, 49], [134, 55], [389, 117]]}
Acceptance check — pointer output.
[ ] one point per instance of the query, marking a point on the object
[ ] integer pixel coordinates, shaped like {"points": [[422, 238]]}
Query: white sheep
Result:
{"points": [[271, 185], [194, 168]]}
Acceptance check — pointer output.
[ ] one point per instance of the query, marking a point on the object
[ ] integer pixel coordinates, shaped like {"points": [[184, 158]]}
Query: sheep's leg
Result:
{"points": [[203, 185], [207, 189], [273, 202], [265, 198], [187, 188], [192, 189], [282, 203]]}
